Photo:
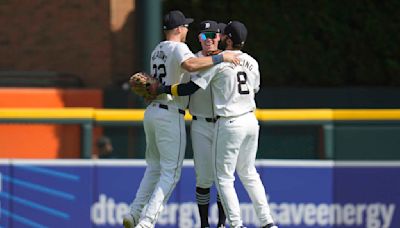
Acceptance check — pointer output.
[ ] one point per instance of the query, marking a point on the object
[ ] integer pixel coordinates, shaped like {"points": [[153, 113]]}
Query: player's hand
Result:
{"points": [[231, 57]]}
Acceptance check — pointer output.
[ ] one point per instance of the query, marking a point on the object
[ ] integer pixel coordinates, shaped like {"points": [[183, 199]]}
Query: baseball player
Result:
{"points": [[202, 129], [235, 141], [164, 124]]}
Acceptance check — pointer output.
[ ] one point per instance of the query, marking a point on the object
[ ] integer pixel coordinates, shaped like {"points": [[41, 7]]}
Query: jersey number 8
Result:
{"points": [[242, 82]]}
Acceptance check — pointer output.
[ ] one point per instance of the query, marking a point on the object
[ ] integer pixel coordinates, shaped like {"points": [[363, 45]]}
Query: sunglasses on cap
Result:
{"points": [[208, 35], [185, 25]]}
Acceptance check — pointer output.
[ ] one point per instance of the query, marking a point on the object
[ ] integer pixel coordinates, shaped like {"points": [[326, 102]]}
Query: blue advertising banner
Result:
{"points": [[47, 195], [367, 196], [5, 210], [296, 193], [77, 193]]}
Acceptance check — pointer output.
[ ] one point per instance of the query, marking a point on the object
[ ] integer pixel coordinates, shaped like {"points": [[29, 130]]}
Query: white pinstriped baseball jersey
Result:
{"points": [[236, 135], [202, 132], [243, 83], [201, 101], [165, 135], [165, 64]]}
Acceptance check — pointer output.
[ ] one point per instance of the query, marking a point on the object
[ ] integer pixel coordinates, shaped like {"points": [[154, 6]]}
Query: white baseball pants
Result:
{"points": [[165, 151], [202, 133], [235, 148]]}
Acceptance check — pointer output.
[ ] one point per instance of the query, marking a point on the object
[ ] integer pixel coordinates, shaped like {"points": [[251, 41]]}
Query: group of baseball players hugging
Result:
{"points": [[224, 128]]}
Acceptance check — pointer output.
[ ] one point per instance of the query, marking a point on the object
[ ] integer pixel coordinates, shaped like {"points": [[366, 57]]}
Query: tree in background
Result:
{"points": [[312, 43]]}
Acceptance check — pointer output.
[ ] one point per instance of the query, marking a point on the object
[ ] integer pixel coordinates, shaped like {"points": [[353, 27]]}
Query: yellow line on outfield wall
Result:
{"points": [[294, 114], [366, 114], [262, 114], [119, 114], [327, 114], [124, 115], [272, 114], [46, 113]]}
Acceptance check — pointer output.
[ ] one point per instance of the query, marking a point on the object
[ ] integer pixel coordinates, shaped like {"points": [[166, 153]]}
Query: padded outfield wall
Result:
{"points": [[77, 193]]}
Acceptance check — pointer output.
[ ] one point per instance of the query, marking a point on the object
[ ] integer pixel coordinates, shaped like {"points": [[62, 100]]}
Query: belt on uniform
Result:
{"points": [[217, 117], [208, 119], [163, 106]]}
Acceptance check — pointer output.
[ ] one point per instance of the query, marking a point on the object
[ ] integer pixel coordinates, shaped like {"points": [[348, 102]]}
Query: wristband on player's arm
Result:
{"points": [[217, 59], [181, 89]]}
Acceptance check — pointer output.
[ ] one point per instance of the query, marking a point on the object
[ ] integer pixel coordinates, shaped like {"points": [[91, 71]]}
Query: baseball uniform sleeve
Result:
{"points": [[204, 77], [183, 53]]}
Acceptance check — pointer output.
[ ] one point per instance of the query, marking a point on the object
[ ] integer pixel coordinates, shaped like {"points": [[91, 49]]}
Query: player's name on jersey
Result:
{"points": [[159, 54], [244, 63]]}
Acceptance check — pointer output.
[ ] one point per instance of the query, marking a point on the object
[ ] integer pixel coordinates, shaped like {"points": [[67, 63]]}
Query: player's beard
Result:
{"points": [[222, 44]]}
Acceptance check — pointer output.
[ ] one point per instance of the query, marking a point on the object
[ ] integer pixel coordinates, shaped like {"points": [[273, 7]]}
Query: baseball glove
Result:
{"points": [[144, 85]]}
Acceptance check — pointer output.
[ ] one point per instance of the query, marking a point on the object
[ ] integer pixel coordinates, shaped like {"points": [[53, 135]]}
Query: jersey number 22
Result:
{"points": [[159, 72]]}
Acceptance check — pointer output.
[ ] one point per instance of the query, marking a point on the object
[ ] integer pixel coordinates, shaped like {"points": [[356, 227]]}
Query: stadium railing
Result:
{"points": [[87, 118]]}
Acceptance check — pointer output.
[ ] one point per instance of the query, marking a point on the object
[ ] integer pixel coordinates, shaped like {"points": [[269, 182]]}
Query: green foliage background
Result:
{"points": [[311, 43]]}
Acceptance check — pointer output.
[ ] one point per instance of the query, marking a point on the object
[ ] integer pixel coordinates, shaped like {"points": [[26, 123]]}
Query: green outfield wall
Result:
{"points": [[338, 134]]}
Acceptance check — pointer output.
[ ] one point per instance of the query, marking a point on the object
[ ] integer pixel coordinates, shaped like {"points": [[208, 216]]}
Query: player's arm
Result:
{"points": [[200, 80], [184, 89], [196, 64]]}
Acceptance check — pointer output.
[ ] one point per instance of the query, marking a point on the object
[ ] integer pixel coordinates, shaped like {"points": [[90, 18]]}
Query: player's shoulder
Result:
{"points": [[242, 55], [226, 65], [168, 44], [179, 44], [165, 46], [248, 59], [181, 48]]}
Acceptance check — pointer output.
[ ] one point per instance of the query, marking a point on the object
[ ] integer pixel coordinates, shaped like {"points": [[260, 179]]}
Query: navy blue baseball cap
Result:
{"points": [[236, 31], [209, 26], [221, 27], [175, 19]]}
